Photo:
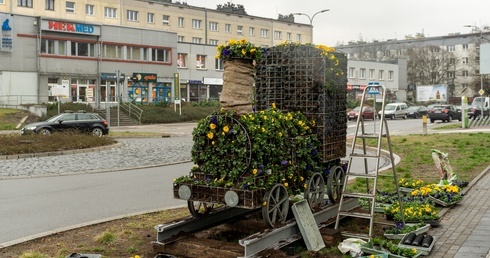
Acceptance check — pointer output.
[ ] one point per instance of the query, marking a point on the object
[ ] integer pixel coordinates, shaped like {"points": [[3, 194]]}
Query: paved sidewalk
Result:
{"points": [[464, 230]]}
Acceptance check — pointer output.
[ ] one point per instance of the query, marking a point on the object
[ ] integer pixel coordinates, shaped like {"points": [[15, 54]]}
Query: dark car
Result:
{"points": [[367, 113], [75, 121], [446, 113], [473, 111], [416, 111]]}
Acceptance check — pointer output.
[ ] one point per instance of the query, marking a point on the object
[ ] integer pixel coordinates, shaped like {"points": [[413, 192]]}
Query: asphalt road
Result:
{"points": [[39, 206]]}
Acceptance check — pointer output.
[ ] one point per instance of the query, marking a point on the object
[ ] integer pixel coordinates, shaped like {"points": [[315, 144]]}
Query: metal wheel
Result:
{"points": [[97, 132], [199, 209], [315, 191], [335, 183], [45, 131], [277, 205]]}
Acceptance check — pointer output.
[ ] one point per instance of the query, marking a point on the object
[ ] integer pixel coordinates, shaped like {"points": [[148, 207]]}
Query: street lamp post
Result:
{"points": [[481, 29], [311, 19]]}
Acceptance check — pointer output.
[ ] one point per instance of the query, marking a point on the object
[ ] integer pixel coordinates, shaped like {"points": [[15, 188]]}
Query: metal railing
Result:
{"points": [[479, 121], [132, 110]]}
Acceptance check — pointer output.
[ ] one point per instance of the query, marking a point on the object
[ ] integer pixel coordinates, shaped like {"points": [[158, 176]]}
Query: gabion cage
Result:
{"points": [[305, 78]]}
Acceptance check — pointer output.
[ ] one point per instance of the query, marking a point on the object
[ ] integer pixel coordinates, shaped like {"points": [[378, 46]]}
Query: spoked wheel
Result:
{"points": [[277, 206], [335, 183], [199, 209], [315, 191]]}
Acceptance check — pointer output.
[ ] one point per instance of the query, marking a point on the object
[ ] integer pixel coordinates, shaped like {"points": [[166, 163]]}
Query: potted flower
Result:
{"points": [[413, 212], [379, 246], [238, 74], [408, 184], [444, 195]]}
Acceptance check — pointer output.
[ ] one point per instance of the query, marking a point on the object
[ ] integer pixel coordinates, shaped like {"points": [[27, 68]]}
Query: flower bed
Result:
{"points": [[413, 212], [443, 195]]}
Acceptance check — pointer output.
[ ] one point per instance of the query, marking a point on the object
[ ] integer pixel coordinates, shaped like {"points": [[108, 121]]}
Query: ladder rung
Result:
{"points": [[386, 175], [356, 214], [361, 175], [359, 195], [354, 235], [370, 135], [358, 155]]}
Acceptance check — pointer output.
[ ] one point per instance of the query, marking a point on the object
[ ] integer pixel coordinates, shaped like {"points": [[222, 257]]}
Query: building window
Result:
{"points": [[112, 51], [371, 74], [70, 7], [218, 64], [160, 55], [391, 75], [213, 26], [53, 47], [381, 74], [166, 20], [450, 74], [450, 48], [264, 33], [228, 28], [351, 72], [135, 53], [465, 73], [465, 60], [151, 18], [213, 42], [298, 37], [277, 34], [290, 36], [180, 38], [181, 22], [196, 24], [465, 47], [251, 31], [196, 40], [50, 5], [239, 30], [110, 12], [200, 61], [89, 9], [362, 73], [132, 15], [181, 60], [24, 3], [82, 49]]}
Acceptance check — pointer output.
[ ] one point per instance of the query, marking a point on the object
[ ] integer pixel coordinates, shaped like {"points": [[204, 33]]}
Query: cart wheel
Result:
{"points": [[315, 191], [199, 209], [335, 183], [277, 204]]}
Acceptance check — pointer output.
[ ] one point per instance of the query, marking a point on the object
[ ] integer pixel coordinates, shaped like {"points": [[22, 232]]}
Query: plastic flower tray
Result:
{"points": [[370, 250], [441, 203], [417, 231], [423, 250], [406, 190], [381, 207]]}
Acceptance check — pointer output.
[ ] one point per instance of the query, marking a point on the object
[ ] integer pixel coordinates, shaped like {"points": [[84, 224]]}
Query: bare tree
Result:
{"points": [[430, 65]]}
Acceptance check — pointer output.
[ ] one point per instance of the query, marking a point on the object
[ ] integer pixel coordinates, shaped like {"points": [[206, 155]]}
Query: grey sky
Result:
{"points": [[371, 19]]}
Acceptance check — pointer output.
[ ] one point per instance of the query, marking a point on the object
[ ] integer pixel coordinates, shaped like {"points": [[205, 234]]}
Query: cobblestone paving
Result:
{"points": [[129, 154]]}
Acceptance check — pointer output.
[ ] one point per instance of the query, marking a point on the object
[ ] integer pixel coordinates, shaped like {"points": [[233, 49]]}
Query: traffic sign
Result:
{"points": [[481, 92], [373, 90]]}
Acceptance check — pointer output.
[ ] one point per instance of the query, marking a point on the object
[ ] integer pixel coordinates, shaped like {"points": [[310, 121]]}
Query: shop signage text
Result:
{"points": [[71, 27]]}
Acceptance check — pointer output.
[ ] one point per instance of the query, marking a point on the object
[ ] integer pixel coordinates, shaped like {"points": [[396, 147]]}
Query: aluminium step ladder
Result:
{"points": [[371, 91]]}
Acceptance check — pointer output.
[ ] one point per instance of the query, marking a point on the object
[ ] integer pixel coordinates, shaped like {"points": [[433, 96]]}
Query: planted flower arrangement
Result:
{"points": [[413, 212], [444, 195], [409, 184], [400, 230], [252, 152], [378, 246]]}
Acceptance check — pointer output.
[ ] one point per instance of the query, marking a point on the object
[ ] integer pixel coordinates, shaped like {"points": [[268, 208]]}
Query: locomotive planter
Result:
{"points": [[292, 146]]}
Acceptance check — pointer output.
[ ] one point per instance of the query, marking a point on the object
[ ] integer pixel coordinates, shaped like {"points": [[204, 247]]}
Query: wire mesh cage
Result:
{"points": [[308, 79]]}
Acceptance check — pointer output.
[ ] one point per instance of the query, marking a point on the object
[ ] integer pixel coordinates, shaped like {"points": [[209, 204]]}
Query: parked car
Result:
{"points": [[416, 111], [446, 113], [75, 121], [394, 110], [368, 112], [473, 111]]}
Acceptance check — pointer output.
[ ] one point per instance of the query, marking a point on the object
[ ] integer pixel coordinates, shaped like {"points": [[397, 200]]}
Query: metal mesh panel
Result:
{"points": [[300, 78]]}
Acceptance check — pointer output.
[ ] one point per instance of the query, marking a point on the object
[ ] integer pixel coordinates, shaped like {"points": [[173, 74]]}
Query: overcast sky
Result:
{"points": [[350, 20]]}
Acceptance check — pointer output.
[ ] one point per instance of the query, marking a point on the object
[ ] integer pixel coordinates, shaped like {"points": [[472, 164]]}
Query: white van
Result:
{"points": [[394, 110]]}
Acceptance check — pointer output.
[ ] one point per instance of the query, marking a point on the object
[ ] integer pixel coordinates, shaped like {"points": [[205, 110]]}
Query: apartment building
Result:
{"points": [[463, 75], [82, 45]]}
